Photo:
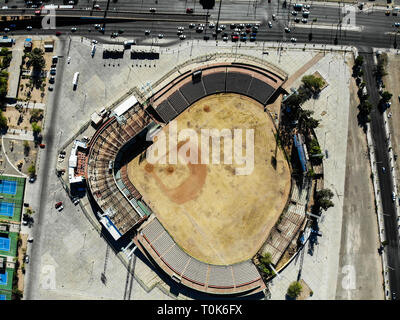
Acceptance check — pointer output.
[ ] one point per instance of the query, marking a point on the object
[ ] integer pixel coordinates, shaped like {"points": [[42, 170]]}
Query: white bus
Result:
{"points": [[75, 80]]}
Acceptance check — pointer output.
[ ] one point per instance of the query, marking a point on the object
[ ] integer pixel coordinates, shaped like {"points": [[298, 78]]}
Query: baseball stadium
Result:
{"points": [[201, 223]]}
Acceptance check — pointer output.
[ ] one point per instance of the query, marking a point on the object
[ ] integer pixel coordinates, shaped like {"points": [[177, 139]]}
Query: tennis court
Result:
{"points": [[2, 297], [6, 209], [3, 278], [4, 244], [8, 187]]}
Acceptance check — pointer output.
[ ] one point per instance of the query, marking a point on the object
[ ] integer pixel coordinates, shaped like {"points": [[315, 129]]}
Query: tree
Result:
{"points": [[294, 100], [313, 83], [36, 60], [26, 148], [365, 107], [314, 148], [32, 170], [3, 122], [386, 96], [323, 199], [294, 289], [17, 294], [359, 61], [4, 51], [36, 128], [265, 261], [306, 122]]}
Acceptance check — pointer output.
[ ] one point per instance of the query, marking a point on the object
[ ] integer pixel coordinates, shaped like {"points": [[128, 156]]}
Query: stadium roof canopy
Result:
{"points": [[125, 106]]}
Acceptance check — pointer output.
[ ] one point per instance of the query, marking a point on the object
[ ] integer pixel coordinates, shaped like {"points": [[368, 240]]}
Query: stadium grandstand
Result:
{"points": [[120, 206]]}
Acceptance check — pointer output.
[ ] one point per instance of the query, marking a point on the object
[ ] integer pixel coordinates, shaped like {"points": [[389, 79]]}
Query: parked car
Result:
{"points": [[270, 24], [58, 33], [29, 28], [26, 259], [182, 37], [192, 25], [146, 32], [32, 179], [293, 39], [73, 29], [152, 10], [53, 71], [160, 36], [75, 201], [58, 204], [30, 239], [189, 10]]}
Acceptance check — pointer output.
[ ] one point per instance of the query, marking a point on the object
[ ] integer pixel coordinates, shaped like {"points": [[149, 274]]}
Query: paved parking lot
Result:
{"points": [[70, 256]]}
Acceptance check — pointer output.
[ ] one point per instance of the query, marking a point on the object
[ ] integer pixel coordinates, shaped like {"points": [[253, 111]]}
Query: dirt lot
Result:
{"points": [[392, 84], [213, 214], [36, 93], [13, 115]]}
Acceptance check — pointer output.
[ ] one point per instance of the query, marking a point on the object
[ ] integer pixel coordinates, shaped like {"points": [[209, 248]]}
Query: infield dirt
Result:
{"points": [[213, 214]]}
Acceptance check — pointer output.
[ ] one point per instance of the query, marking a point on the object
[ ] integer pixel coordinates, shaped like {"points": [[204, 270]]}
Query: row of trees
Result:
{"points": [[311, 87]]}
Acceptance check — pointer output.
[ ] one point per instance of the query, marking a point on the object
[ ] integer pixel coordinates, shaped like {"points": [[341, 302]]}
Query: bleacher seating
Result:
{"points": [[191, 269], [178, 102], [193, 91], [237, 82], [105, 146], [214, 82]]}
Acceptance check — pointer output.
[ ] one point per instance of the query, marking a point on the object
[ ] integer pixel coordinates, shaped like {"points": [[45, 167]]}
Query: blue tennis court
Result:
{"points": [[4, 244], [2, 297], [6, 209], [9, 187], [3, 278]]}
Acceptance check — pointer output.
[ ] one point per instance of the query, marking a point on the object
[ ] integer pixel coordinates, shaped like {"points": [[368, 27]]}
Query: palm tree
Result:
{"points": [[306, 122], [36, 60], [294, 289]]}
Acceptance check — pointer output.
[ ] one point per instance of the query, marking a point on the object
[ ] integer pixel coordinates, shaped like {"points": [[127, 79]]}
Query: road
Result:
{"points": [[374, 28], [385, 179], [46, 173]]}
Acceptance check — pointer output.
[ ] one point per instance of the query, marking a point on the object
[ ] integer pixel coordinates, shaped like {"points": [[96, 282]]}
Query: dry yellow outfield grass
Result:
{"points": [[213, 214]]}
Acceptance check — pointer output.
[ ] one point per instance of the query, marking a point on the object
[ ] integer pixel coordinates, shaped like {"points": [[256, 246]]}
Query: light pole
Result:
{"points": [[219, 12]]}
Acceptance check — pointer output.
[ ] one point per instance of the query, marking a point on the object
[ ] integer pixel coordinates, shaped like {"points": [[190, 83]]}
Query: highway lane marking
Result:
{"points": [[322, 26]]}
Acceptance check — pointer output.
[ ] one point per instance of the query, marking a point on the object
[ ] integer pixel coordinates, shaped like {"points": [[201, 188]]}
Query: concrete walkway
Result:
{"points": [[13, 69], [19, 134]]}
